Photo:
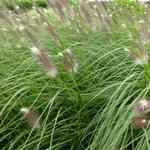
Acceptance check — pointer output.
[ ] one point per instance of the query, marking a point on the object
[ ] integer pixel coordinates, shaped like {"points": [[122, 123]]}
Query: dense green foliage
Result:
{"points": [[25, 4], [90, 109]]}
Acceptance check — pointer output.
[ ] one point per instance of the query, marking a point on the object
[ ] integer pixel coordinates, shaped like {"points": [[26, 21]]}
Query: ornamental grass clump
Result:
{"points": [[88, 100]]}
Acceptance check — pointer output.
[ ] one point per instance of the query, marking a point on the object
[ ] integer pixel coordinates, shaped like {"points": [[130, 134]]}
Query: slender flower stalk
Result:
{"points": [[30, 116], [126, 30], [103, 18], [50, 27], [6, 15], [34, 40], [142, 51], [47, 63], [59, 9], [139, 57], [87, 15], [125, 12], [145, 36], [67, 65], [72, 58], [69, 61], [102, 14]]}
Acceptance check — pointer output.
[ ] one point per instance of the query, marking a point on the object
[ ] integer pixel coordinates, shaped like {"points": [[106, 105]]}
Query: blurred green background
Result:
{"points": [[27, 4]]}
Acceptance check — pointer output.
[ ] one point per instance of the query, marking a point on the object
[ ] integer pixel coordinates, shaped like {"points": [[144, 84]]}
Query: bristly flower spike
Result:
{"points": [[30, 116], [73, 59], [145, 36], [66, 63], [139, 122], [126, 30], [141, 106], [140, 57], [69, 60], [47, 63]]}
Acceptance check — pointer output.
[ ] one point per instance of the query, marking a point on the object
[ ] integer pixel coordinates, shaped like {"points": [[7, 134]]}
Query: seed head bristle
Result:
{"points": [[141, 106], [139, 122], [31, 117]]}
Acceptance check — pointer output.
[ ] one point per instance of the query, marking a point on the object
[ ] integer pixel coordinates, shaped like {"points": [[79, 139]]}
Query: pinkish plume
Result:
{"points": [[144, 34], [141, 106], [47, 63], [139, 57], [139, 122], [73, 59], [69, 61], [30, 116]]}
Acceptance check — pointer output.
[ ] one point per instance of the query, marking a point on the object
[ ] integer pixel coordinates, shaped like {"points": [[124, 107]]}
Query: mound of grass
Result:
{"points": [[86, 108]]}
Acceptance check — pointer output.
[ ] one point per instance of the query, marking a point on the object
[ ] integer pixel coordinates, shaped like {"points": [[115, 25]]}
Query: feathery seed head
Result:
{"points": [[35, 50], [31, 117], [141, 21], [20, 28], [141, 106], [124, 26], [139, 122], [139, 57], [45, 61], [60, 54]]}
